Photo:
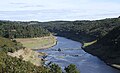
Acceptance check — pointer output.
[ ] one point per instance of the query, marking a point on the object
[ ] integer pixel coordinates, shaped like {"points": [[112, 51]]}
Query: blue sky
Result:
{"points": [[49, 10]]}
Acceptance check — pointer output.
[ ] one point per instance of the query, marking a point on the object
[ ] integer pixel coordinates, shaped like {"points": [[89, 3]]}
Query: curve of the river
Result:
{"points": [[71, 52]]}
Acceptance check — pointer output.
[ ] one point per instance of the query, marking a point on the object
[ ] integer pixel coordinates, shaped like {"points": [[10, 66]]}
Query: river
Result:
{"points": [[71, 53]]}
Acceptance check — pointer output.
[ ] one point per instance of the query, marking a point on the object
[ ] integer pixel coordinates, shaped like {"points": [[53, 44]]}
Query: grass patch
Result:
{"points": [[89, 43], [38, 43]]}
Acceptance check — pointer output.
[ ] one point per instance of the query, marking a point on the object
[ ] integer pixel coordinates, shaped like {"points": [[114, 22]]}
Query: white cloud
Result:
{"points": [[45, 10]]}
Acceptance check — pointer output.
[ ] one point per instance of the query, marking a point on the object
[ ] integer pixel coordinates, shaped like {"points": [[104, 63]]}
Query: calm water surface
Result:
{"points": [[71, 52]]}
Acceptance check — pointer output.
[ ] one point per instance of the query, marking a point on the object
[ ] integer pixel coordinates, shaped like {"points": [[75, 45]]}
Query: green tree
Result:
{"points": [[71, 69], [54, 68]]}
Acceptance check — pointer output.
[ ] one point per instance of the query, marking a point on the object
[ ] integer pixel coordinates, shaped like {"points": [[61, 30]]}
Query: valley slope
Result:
{"points": [[107, 48], [105, 33]]}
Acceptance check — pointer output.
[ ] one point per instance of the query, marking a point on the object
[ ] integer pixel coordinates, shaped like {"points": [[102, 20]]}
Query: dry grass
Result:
{"points": [[89, 43], [38, 43], [28, 55]]}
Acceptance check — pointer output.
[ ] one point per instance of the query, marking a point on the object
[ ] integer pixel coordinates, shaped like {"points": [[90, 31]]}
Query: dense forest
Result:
{"points": [[82, 30], [21, 30]]}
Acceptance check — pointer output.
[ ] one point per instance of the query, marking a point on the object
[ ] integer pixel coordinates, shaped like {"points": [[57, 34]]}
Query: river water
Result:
{"points": [[71, 53]]}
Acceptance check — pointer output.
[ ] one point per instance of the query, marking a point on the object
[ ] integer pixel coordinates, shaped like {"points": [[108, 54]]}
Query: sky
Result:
{"points": [[51, 10]]}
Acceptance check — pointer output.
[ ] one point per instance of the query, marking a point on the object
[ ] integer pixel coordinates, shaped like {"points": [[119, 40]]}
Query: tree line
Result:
{"points": [[82, 30], [22, 31]]}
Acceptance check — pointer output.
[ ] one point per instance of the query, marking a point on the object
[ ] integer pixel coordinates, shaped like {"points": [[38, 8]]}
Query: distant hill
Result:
{"points": [[82, 30]]}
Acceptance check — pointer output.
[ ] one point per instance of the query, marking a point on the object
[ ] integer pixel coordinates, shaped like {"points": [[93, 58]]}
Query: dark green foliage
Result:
{"points": [[84, 30], [15, 30], [71, 69], [54, 68], [108, 47], [7, 45]]}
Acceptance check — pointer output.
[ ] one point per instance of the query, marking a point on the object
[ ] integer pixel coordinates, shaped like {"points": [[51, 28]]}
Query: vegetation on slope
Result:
{"points": [[10, 64], [108, 47], [22, 31], [7, 45], [82, 30]]}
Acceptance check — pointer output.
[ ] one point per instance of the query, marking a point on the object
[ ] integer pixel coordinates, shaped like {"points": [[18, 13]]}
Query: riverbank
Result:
{"points": [[106, 60], [38, 43], [31, 44], [96, 51], [103, 53], [71, 52]]}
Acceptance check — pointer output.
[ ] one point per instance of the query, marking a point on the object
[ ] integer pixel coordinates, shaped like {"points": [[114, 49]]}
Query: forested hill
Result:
{"points": [[89, 29], [82, 30], [21, 30], [108, 47]]}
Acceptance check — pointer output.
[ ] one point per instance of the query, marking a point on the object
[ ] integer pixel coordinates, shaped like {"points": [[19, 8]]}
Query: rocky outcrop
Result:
{"points": [[28, 55]]}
